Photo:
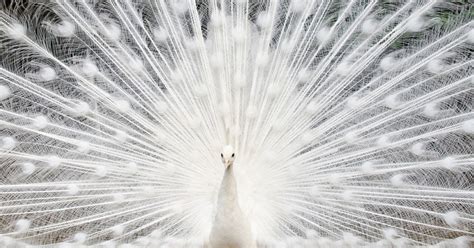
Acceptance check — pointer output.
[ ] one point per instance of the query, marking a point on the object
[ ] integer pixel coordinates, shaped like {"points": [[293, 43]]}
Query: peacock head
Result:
{"points": [[228, 156]]}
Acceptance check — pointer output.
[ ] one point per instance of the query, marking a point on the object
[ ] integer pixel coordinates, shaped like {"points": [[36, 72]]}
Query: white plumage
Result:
{"points": [[230, 228], [351, 123]]}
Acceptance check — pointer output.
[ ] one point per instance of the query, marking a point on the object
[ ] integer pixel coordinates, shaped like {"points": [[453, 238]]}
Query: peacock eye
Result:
{"points": [[233, 154], [222, 155]]}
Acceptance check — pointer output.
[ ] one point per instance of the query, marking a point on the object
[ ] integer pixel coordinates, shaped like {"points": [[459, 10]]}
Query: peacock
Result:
{"points": [[236, 123], [230, 228]]}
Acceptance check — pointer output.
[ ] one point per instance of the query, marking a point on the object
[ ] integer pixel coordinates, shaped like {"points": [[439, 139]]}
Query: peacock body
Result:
{"points": [[230, 227], [352, 123]]}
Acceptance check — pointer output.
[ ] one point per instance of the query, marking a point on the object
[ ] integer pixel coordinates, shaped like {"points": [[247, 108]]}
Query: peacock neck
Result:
{"points": [[228, 197], [230, 227]]}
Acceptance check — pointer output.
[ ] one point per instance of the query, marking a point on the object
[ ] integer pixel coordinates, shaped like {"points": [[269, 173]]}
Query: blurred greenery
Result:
{"points": [[445, 15]]}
